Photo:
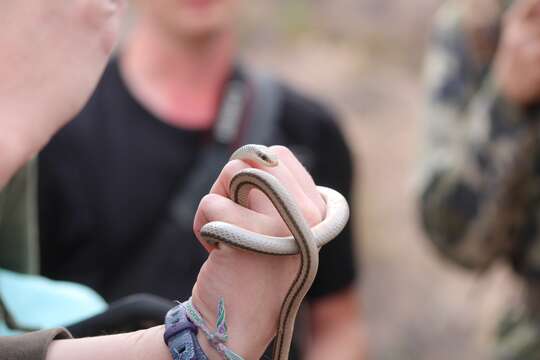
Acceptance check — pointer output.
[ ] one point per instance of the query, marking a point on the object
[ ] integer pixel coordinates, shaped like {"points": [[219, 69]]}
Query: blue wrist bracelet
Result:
{"points": [[181, 336]]}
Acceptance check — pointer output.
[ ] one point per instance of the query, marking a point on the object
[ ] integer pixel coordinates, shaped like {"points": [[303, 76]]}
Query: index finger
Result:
{"points": [[302, 175]]}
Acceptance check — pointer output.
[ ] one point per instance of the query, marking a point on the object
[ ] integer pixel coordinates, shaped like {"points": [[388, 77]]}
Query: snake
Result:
{"points": [[303, 240]]}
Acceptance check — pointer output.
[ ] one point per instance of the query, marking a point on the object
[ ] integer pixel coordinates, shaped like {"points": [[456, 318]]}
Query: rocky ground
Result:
{"points": [[364, 58]]}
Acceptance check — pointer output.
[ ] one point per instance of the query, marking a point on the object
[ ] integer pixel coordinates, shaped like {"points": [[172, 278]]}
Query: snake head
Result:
{"points": [[258, 153]]}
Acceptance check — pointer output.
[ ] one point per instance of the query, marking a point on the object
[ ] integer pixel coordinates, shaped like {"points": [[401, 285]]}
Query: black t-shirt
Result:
{"points": [[107, 180]]}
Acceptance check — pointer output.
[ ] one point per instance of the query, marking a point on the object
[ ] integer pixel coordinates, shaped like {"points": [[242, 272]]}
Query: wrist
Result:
{"points": [[247, 337], [138, 345]]}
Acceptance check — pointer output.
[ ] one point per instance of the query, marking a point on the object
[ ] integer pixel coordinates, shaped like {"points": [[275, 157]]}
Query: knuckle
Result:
{"points": [[232, 167], [228, 171], [281, 150], [211, 204]]}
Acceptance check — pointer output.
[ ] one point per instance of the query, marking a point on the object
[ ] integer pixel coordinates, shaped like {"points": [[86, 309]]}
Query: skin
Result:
{"points": [[519, 53], [69, 65], [194, 57], [193, 48], [38, 97], [251, 324], [224, 263]]}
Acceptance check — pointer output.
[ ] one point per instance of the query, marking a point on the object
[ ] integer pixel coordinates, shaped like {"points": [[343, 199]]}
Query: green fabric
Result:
{"points": [[18, 223]]}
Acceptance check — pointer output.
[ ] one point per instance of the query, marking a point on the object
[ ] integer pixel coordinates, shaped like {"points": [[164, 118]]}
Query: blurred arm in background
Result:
{"points": [[482, 78], [335, 317], [335, 328], [30, 90]]}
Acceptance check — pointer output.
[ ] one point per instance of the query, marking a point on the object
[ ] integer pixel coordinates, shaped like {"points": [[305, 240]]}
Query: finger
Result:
{"points": [[293, 184], [258, 201], [310, 211], [215, 207], [222, 187], [302, 175], [222, 183]]}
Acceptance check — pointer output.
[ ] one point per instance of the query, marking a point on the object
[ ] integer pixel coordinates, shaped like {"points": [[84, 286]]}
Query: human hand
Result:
{"points": [[53, 53], [517, 63], [253, 285]]}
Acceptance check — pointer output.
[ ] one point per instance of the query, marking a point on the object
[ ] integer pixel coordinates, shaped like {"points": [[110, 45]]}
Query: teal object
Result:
{"points": [[36, 302]]}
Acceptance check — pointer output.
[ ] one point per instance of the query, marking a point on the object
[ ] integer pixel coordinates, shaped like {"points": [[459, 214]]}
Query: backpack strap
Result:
{"points": [[249, 113], [262, 126]]}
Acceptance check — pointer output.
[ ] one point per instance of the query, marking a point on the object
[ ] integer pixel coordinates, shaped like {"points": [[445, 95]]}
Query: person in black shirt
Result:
{"points": [[109, 179]]}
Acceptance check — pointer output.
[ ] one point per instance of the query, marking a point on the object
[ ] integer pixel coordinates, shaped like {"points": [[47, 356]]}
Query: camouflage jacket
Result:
{"points": [[480, 178]]}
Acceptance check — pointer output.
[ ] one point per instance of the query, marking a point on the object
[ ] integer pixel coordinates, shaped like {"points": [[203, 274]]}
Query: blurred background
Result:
{"points": [[364, 59]]}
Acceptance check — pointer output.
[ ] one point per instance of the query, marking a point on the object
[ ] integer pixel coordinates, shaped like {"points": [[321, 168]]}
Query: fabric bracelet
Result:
{"points": [[216, 338], [181, 336]]}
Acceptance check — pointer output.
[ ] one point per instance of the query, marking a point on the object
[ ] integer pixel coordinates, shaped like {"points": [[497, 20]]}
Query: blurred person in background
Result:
{"points": [[480, 199], [118, 184]]}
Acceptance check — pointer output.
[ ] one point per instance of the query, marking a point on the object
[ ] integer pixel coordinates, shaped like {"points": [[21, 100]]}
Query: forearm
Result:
{"points": [[140, 345], [144, 344]]}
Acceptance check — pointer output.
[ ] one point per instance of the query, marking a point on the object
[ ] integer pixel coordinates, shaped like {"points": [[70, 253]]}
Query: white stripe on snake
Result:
{"points": [[304, 241]]}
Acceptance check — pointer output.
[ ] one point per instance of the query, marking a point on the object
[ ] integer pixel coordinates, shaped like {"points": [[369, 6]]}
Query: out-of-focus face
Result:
{"points": [[190, 18]]}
